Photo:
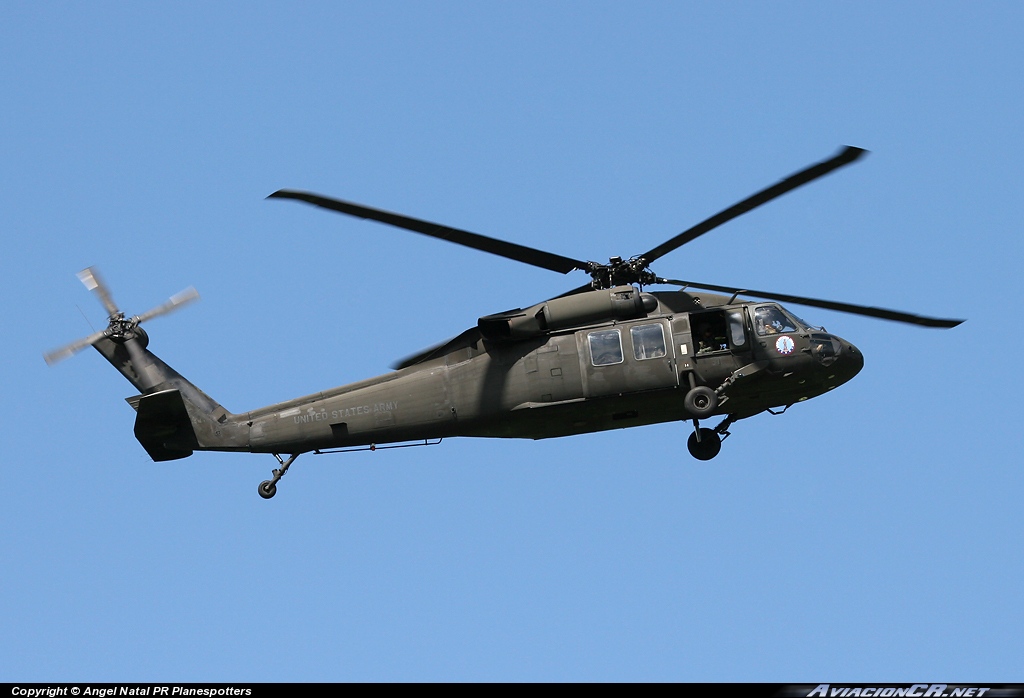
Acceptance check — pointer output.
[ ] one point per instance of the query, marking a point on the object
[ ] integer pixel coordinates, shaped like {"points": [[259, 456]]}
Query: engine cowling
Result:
{"points": [[619, 303]]}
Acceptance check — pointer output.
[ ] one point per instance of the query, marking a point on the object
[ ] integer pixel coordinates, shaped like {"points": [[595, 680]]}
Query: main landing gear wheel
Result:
{"points": [[704, 444], [267, 489], [701, 402]]}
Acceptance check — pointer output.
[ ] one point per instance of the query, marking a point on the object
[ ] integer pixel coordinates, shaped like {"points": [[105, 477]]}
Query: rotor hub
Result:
{"points": [[619, 272], [121, 328]]}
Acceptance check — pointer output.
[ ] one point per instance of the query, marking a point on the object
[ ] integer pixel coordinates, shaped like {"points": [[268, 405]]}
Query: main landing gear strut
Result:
{"points": [[704, 443], [268, 488]]}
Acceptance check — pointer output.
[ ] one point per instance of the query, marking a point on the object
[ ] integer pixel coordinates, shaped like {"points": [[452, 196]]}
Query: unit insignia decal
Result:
{"points": [[784, 345]]}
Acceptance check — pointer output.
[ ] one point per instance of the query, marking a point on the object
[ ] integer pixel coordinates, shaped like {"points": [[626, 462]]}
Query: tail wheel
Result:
{"points": [[701, 402], [267, 489]]}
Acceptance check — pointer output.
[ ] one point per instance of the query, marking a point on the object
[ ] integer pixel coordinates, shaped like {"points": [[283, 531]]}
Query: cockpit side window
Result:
{"points": [[769, 319], [648, 341], [605, 347]]}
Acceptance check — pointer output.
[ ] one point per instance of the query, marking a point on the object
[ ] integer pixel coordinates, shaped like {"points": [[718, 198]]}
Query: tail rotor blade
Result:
{"points": [[73, 348], [176, 301], [119, 328], [94, 282]]}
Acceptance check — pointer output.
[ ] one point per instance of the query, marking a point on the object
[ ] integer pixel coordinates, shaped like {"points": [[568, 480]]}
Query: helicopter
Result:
{"points": [[605, 355]]}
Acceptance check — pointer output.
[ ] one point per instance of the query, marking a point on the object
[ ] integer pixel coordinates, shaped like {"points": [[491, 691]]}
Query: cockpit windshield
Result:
{"points": [[771, 319], [803, 323]]}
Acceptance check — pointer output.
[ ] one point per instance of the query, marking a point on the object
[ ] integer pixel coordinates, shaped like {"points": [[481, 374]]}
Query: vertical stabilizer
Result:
{"points": [[173, 416]]}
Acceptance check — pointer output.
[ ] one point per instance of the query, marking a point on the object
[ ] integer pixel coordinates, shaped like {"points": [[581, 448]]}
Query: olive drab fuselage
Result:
{"points": [[571, 380]]}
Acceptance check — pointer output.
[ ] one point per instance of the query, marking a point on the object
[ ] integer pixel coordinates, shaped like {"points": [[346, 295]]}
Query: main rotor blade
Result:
{"points": [[73, 348], [175, 302], [869, 311], [94, 282], [579, 289], [808, 174], [467, 337], [520, 253]]}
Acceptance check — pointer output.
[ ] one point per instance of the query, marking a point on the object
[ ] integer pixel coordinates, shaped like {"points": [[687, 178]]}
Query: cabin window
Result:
{"points": [[769, 319], [605, 347], [648, 341]]}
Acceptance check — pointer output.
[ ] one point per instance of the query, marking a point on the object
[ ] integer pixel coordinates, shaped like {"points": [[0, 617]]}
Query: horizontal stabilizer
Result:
{"points": [[163, 426]]}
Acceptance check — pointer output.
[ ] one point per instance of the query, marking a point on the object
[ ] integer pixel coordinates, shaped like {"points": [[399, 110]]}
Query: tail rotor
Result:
{"points": [[119, 328]]}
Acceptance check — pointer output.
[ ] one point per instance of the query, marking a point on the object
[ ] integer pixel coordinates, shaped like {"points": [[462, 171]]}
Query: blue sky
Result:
{"points": [[872, 533]]}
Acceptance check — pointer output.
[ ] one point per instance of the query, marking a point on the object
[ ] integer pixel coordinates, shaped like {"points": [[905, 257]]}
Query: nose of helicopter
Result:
{"points": [[849, 362]]}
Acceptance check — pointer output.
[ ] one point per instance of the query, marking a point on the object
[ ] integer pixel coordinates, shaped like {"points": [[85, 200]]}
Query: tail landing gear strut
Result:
{"points": [[705, 444], [268, 488]]}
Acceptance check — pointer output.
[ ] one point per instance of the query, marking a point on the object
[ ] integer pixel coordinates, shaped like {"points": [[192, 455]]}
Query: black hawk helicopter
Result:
{"points": [[605, 355]]}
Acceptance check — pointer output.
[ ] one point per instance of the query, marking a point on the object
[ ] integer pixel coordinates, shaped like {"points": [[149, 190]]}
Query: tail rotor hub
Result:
{"points": [[122, 329], [119, 328]]}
